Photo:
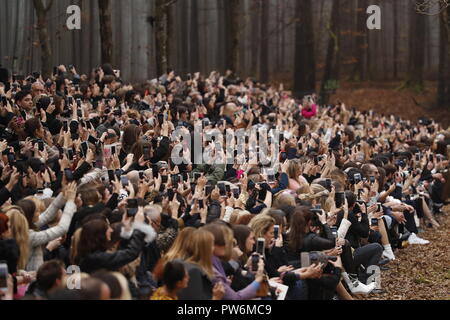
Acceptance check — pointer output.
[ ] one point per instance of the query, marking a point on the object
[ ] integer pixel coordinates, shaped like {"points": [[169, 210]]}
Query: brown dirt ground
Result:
{"points": [[384, 97], [420, 272]]}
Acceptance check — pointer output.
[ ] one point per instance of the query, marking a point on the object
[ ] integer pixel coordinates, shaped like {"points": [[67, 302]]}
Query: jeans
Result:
{"points": [[368, 255], [298, 292]]}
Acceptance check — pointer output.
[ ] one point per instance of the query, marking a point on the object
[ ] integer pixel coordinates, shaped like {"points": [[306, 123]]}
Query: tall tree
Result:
{"points": [[443, 98], [361, 42], [44, 39], [396, 61], [106, 35], [195, 38], [160, 37], [414, 78], [170, 33], [305, 63], [331, 74], [254, 14], [264, 53], [232, 34]]}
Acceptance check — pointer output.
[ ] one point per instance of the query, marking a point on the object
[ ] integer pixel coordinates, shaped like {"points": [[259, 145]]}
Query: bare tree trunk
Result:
{"points": [[361, 42], [332, 61], [195, 38], [443, 98], [104, 7], [44, 39], [232, 54], [160, 37], [264, 53], [255, 11], [396, 61], [414, 78], [305, 63], [170, 33]]}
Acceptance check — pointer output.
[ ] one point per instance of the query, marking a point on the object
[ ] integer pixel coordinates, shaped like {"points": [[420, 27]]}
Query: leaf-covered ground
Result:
{"points": [[420, 272]]}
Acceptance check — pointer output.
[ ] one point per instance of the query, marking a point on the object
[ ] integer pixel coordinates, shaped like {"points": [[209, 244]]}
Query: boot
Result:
{"points": [[355, 286]]}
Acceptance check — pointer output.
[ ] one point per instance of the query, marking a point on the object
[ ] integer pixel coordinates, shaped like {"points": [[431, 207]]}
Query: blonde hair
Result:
{"points": [[74, 245], [202, 245], [126, 295], [294, 169], [40, 205], [20, 232], [261, 224], [283, 199], [182, 246]]}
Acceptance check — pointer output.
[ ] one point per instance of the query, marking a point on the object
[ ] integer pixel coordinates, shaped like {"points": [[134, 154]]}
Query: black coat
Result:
{"points": [[358, 229], [9, 252], [199, 287], [112, 261]]}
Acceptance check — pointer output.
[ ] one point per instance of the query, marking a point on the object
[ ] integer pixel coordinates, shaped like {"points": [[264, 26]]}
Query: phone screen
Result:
{"points": [[84, 149], [132, 207], [92, 140], [260, 244], [124, 181], [111, 175], [69, 174]]}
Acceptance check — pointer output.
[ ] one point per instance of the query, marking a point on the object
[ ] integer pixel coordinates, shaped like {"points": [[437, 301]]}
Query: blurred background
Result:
{"points": [[320, 45]]}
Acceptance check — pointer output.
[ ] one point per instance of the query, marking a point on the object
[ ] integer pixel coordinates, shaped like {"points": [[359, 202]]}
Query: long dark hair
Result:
{"points": [[299, 221], [241, 234], [92, 239], [174, 271]]}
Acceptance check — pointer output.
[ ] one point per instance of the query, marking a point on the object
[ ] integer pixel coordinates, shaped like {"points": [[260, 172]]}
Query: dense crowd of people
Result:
{"points": [[93, 206]]}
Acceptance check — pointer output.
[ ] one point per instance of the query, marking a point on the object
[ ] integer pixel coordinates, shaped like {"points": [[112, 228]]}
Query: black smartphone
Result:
{"points": [[227, 188], [84, 149], [111, 175], [92, 140], [316, 160], [208, 189], [41, 145], [339, 199], [196, 176], [113, 150], [146, 154], [65, 126], [255, 262], [70, 100], [170, 194], [200, 203], [164, 179], [69, 175], [374, 222], [372, 179], [260, 244], [417, 156], [379, 207], [357, 178], [431, 158], [222, 189], [11, 158], [70, 154], [132, 207], [236, 193], [276, 231]]}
